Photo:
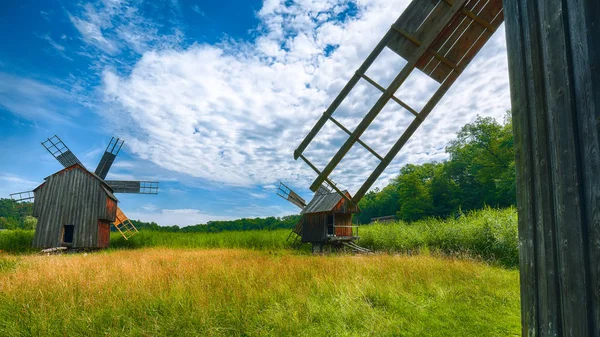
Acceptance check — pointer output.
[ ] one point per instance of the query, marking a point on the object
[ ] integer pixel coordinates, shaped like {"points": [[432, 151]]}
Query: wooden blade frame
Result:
{"points": [[60, 151], [135, 187], [440, 38], [291, 196], [22, 196], [113, 148], [124, 225]]}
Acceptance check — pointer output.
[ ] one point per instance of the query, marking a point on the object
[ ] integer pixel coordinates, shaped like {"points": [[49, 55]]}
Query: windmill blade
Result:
{"points": [[291, 196], [136, 187], [323, 189], [60, 151], [22, 196], [124, 225], [113, 148], [437, 38]]}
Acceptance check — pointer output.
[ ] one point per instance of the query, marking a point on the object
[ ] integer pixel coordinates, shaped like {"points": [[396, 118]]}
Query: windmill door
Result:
{"points": [[68, 231]]}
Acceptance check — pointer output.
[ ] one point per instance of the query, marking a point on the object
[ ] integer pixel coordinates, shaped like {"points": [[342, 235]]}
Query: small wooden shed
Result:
{"points": [[328, 218], [74, 208]]}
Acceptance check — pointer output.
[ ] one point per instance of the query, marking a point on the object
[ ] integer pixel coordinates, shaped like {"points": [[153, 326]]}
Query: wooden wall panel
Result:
{"points": [[553, 49]]}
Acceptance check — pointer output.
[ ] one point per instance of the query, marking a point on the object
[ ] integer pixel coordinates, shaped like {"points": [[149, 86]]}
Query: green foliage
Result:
{"points": [[275, 239], [487, 234], [479, 173], [15, 215], [16, 241], [245, 224]]}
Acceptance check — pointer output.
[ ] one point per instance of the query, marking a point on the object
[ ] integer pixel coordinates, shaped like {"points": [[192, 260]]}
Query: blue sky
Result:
{"points": [[212, 97]]}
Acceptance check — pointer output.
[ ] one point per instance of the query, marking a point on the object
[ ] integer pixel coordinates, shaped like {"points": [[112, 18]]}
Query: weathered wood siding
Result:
{"points": [[342, 219], [111, 210], [554, 64], [103, 234], [314, 227], [69, 197]]}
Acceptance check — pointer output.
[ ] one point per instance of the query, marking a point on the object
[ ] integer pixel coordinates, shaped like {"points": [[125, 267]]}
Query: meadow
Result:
{"points": [[489, 235], [427, 278]]}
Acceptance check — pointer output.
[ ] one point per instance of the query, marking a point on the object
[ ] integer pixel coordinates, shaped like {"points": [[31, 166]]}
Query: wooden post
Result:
{"points": [[554, 64]]}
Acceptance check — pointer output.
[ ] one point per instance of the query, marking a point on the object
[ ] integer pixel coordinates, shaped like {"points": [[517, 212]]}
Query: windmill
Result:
{"points": [[326, 219], [75, 206]]}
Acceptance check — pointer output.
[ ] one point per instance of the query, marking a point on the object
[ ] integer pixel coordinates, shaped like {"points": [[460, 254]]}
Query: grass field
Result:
{"points": [[241, 292], [489, 235], [428, 278]]}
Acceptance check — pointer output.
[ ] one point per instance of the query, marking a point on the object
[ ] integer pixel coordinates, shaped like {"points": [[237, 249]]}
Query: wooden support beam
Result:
{"points": [[554, 56], [382, 101], [394, 98], [358, 140], [342, 95], [433, 52]]}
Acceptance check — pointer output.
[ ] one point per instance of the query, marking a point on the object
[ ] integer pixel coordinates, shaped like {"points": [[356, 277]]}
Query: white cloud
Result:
{"points": [[197, 9], [234, 112], [114, 25], [37, 101], [10, 183]]}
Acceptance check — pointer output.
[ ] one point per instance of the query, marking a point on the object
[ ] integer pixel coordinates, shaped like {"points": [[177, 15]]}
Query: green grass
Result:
{"points": [[490, 235], [240, 292], [430, 278], [256, 239]]}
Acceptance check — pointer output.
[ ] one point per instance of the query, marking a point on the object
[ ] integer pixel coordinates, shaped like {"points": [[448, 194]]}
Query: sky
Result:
{"points": [[212, 97]]}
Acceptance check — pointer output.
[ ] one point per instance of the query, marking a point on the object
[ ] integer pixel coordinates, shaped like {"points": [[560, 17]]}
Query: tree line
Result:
{"points": [[15, 215], [480, 172], [245, 224]]}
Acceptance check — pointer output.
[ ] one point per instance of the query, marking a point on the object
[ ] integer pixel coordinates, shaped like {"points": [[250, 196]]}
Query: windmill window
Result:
{"points": [[68, 233], [330, 224]]}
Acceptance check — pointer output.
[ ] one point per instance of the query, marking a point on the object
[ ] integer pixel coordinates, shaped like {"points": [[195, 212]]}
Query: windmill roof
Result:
{"points": [[323, 202], [105, 186]]}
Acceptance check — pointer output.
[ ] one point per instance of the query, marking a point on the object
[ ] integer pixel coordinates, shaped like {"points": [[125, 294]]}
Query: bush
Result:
{"points": [[488, 234]]}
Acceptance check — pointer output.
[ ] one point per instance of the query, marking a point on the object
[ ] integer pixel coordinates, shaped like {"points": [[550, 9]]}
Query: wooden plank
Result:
{"points": [[552, 46], [493, 13], [411, 19], [565, 161], [524, 164], [584, 30]]}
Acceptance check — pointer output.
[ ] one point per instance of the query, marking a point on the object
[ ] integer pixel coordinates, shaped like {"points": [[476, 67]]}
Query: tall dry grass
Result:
{"points": [[179, 292]]}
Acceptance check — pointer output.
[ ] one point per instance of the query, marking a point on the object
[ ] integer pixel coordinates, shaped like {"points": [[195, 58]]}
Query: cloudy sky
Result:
{"points": [[212, 97]]}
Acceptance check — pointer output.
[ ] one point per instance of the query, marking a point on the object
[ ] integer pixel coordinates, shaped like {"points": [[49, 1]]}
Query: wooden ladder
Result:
{"points": [[296, 233], [124, 225]]}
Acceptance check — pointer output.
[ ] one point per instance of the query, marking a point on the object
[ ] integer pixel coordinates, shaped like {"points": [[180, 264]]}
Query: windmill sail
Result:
{"points": [[22, 196], [439, 38], [291, 196], [60, 151], [136, 187], [113, 148], [124, 225]]}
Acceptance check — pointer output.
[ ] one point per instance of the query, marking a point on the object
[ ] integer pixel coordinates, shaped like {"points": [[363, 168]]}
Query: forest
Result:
{"points": [[479, 172]]}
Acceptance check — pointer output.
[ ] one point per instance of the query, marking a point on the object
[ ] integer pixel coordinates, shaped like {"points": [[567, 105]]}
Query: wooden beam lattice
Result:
{"points": [[124, 225], [439, 38]]}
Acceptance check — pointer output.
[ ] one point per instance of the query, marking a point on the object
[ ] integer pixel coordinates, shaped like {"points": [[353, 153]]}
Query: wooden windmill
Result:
{"points": [[437, 37], [326, 219], [74, 206]]}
